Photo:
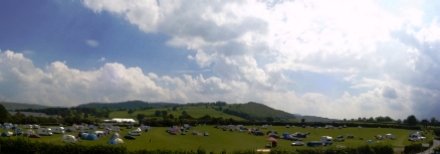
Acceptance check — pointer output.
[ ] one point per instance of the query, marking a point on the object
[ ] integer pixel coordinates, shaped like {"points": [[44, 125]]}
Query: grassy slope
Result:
{"points": [[194, 111], [220, 140], [260, 110]]}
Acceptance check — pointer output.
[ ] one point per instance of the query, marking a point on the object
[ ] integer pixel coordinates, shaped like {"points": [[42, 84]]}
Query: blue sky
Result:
{"points": [[366, 58]]}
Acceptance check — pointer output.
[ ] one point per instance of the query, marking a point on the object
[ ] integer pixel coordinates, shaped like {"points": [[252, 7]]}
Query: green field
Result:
{"points": [[194, 111], [225, 140]]}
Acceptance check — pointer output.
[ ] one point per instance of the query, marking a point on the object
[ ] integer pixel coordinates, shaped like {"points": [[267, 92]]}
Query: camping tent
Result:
{"points": [[115, 141], [115, 136], [90, 137]]}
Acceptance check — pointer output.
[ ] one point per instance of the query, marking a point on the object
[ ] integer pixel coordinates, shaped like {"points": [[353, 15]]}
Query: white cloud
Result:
{"points": [[386, 56], [102, 59], [92, 43]]}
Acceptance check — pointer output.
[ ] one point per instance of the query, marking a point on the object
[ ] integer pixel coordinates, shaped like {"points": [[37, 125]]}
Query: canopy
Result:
{"points": [[272, 139]]}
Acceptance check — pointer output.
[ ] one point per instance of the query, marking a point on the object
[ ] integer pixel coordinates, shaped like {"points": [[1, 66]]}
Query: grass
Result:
{"points": [[194, 111], [224, 140]]}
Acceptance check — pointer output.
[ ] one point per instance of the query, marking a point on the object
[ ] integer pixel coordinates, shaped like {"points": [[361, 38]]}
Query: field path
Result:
{"points": [[434, 145]]}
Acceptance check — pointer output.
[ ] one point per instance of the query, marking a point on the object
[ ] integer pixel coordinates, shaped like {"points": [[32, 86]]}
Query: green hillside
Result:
{"points": [[194, 111], [13, 106], [257, 112], [135, 104]]}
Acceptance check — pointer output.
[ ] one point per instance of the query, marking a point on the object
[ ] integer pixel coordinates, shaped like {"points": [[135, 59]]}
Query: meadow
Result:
{"points": [[219, 140], [194, 111]]}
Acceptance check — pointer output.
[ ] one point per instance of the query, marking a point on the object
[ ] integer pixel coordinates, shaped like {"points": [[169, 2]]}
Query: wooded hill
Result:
{"points": [[135, 104], [258, 112], [11, 106]]}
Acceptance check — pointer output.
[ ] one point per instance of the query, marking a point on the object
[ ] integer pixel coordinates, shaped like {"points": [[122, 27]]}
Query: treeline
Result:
{"points": [[24, 145]]}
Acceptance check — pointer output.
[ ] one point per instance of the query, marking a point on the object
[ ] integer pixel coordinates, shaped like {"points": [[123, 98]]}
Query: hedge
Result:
{"points": [[24, 145]]}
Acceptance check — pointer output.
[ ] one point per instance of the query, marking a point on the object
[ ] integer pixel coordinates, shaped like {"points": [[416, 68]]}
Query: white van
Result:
{"points": [[69, 139], [44, 131], [27, 126], [58, 130]]}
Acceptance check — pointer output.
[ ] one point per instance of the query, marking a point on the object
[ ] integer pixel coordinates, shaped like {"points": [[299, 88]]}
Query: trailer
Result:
{"points": [[58, 130], [45, 131]]}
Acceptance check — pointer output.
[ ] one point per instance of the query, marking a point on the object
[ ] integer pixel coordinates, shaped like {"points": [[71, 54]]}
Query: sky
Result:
{"points": [[336, 59]]}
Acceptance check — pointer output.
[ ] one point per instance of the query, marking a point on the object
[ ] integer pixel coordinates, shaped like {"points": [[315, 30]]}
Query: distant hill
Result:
{"points": [[315, 119], [11, 106], [257, 112], [127, 105]]}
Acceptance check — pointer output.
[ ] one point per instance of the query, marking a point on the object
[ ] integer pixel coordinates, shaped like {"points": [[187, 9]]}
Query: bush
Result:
{"points": [[414, 148]]}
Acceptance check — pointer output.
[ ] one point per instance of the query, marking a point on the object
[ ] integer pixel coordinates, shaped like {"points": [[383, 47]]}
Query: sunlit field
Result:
{"points": [[219, 140]]}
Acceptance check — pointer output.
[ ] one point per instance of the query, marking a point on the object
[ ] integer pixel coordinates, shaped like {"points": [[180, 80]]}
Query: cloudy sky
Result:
{"points": [[338, 59]]}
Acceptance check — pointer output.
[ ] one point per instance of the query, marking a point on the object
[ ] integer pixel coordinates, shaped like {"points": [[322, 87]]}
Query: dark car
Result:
{"points": [[129, 137]]}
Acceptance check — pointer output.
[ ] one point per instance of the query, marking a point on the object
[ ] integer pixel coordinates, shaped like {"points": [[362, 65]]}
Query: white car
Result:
{"points": [[135, 133], [69, 139]]}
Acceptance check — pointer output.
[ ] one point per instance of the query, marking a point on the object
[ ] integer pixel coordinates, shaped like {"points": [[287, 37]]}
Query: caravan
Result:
{"points": [[45, 131], [69, 138], [35, 126], [58, 130], [27, 126], [136, 132]]}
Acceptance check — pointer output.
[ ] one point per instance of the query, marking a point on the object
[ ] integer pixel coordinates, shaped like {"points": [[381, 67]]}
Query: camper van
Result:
{"points": [[69, 139], [115, 128], [27, 126], [58, 130], [44, 131]]}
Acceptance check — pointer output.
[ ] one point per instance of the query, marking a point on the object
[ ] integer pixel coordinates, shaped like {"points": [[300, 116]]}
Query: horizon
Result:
{"points": [[328, 59]]}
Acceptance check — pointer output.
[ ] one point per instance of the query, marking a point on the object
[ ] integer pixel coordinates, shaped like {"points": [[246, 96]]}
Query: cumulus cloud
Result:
{"points": [[388, 57], [92, 43]]}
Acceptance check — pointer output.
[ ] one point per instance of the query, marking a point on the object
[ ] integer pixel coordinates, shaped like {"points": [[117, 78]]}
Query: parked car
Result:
{"points": [[298, 143], [129, 137], [5, 134], [206, 134]]}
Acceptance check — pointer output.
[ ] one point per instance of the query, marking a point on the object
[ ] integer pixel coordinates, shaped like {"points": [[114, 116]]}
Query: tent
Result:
{"points": [[5, 134], [115, 136], [285, 134], [115, 141], [90, 137], [272, 139]]}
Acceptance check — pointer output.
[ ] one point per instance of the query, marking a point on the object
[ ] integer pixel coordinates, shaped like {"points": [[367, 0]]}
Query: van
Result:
{"points": [[45, 131], [69, 139], [58, 130]]}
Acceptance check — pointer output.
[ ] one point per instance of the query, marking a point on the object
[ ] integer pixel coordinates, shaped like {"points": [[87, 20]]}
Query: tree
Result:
{"points": [[399, 121], [425, 123], [184, 113], [433, 120], [4, 114], [412, 120], [175, 108], [164, 113], [157, 113], [303, 120], [269, 119], [345, 119], [140, 117], [130, 111]]}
